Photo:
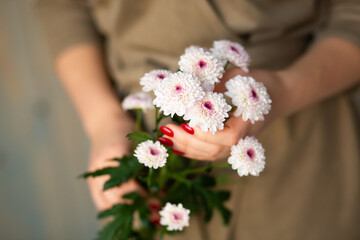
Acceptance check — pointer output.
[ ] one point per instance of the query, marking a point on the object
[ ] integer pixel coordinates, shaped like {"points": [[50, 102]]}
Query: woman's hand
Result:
{"points": [[194, 143], [109, 142]]}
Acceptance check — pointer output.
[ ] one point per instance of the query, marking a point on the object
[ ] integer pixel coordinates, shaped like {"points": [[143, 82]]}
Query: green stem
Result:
{"points": [[226, 65], [203, 169], [156, 118], [179, 178], [174, 187], [149, 178], [138, 119], [162, 232], [193, 163]]}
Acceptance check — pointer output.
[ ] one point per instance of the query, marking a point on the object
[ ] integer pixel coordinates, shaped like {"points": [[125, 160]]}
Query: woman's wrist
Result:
{"points": [[114, 119], [282, 94]]}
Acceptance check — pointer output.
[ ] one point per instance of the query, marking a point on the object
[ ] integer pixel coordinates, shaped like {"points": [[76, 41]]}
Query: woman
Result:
{"points": [[305, 52]]}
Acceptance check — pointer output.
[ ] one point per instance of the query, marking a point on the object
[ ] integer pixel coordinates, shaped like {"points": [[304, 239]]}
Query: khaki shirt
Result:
{"points": [[310, 187]]}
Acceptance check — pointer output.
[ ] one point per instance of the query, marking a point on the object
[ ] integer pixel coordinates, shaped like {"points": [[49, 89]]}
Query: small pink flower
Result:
{"points": [[151, 80], [202, 63], [178, 92], [232, 52], [152, 155], [250, 97], [138, 100], [175, 217], [209, 113], [247, 157]]}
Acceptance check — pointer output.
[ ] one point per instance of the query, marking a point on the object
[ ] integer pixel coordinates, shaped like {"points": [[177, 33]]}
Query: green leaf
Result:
{"points": [[178, 119], [131, 196], [110, 212], [129, 168], [225, 213], [139, 137], [223, 195], [97, 173], [222, 179], [205, 181], [121, 227], [211, 199], [207, 204]]}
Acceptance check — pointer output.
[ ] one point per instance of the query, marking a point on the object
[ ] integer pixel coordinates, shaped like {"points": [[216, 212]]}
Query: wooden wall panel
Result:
{"points": [[42, 146]]}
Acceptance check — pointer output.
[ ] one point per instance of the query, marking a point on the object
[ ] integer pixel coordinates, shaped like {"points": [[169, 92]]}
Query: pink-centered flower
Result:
{"points": [[209, 113], [151, 80], [232, 52], [250, 97], [178, 92], [202, 63], [175, 217], [138, 100], [247, 157], [152, 155]]}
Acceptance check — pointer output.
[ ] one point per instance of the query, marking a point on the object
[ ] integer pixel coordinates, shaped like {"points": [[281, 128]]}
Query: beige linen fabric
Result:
{"points": [[310, 187]]}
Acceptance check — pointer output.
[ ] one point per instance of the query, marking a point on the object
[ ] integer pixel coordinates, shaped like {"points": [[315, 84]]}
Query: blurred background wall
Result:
{"points": [[42, 146]]}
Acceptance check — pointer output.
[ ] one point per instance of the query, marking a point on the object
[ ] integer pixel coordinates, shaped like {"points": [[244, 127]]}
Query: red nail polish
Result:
{"points": [[167, 131], [187, 128], [177, 152], [166, 141]]}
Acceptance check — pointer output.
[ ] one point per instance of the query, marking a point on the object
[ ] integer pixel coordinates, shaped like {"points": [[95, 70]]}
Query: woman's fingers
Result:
{"points": [[194, 143], [234, 129], [191, 145], [208, 154], [106, 199]]}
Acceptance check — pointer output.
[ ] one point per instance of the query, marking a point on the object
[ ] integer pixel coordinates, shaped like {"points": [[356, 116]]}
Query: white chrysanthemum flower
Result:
{"points": [[175, 217], [152, 79], [208, 87], [232, 52], [250, 97], [209, 113], [152, 155], [138, 100], [178, 92], [247, 157], [202, 63]]}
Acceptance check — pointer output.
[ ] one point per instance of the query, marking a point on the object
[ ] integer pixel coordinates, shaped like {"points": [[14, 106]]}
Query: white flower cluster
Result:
{"points": [[189, 93], [175, 217]]}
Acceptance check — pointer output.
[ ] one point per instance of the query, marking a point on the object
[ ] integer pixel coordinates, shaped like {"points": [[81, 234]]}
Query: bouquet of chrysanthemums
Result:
{"points": [[179, 184]]}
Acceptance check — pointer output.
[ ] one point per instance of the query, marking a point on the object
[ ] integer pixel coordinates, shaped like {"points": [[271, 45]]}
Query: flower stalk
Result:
{"points": [[138, 126]]}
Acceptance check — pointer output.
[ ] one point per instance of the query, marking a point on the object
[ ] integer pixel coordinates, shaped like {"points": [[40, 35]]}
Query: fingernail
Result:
{"points": [[166, 141], [167, 131], [187, 128], [177, 152]]}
